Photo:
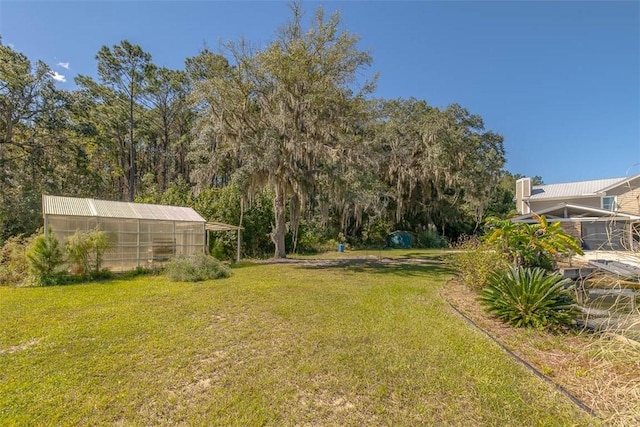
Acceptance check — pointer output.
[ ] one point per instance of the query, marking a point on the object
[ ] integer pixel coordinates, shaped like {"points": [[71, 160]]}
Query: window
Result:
{"points": [[609, 203]]}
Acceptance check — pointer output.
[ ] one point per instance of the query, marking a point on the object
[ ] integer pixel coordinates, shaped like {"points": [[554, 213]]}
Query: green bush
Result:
{"points": [[310, 238], [476, 261], [314, 237], [138, 271], [531, 245], [218, 250], [86, 250], [13, 262], [430, 239], [196, 268], [224, 205], [45, 260], [528, 297], [375, 232], [307, 246]]}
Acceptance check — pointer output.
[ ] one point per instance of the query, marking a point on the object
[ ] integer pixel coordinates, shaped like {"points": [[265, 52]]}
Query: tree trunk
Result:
{"points": [[294, 215], [164, 174], [279, 230], [132, 149]]}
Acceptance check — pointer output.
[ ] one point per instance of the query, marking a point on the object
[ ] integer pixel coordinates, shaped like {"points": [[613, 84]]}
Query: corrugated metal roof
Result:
{"points": [[66, 206], [73, 206], [572, 189]]}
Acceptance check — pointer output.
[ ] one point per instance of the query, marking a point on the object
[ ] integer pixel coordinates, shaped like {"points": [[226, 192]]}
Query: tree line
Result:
{"points": [[288, 139]]}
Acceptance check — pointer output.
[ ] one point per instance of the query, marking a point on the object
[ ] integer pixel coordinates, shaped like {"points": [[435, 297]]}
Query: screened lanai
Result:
{"points": [[142, 235]]}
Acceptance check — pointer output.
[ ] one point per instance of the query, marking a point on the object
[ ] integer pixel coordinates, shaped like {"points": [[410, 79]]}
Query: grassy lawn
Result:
{"points": [[275, 344]]}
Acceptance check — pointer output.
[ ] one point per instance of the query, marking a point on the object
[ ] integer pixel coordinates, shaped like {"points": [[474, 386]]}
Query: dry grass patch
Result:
{"points": [[601, 370]]}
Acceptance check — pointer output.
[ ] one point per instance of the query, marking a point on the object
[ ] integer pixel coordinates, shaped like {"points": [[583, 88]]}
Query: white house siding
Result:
{"points": [[627, 197], [592, 202]]}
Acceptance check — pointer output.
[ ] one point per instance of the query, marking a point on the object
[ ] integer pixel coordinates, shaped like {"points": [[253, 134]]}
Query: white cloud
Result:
{"points": [[58, 77], [64, 65]]}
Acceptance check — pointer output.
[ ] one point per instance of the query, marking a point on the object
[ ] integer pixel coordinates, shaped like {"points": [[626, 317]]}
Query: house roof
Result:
{"points": [[577, 212], [575, 189], [73, 206]]}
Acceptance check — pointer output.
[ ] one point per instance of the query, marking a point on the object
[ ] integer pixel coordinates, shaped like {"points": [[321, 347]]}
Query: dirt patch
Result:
{"points": [[21, 347], [369, 260]]}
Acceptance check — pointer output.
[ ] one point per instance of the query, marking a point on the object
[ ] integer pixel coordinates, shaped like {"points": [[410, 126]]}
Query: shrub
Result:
{"points": [[226, 204], [315, 238], [528, 297], [196, 268], [45, 259], [137, 272], [13, 262], [476, 261], [375, 232], [86, 249], [218, 250], [330, 245], [431, 239], [531, 245]]}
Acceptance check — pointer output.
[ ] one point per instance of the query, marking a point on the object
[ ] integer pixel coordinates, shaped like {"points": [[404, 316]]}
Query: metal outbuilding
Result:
{"points": [[143, 235]]}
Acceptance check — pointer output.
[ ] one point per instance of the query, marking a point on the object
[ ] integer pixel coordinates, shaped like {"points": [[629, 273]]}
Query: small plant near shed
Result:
{"points": [[45, 260], [196, 268], [218, 250], [86, 250], [528, 297], [13, 263]]}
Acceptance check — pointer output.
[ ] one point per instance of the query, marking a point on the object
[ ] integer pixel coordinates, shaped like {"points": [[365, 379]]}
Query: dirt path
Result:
{"points": [[368, 260]]}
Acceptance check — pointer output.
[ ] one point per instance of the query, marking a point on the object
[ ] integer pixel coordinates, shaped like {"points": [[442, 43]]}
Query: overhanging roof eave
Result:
{"points": [[221, 226], [600, 214]]}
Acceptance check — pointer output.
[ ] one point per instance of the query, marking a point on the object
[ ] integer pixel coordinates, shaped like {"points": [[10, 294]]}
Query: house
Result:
{"points": [[603, 213], [142, 234]]}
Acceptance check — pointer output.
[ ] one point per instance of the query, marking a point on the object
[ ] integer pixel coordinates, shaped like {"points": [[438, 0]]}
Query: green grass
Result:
{"points": [[275, 344]]}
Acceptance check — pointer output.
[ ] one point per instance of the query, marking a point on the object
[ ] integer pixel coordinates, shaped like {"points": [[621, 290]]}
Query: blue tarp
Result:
{"points": [[399, 239]]}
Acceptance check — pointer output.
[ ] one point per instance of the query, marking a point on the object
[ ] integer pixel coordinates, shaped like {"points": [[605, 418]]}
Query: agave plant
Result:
{"points": [[528, 297]]}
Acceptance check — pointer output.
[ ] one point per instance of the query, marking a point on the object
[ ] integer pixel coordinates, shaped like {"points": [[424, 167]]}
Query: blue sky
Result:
{"points": [[559, 80]]}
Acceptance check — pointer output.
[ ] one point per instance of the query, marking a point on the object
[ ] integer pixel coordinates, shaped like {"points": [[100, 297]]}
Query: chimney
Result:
{"points": [[523, 192]]}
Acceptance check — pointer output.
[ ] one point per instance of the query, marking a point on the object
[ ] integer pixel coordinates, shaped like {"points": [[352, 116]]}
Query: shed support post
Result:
{"points": [[238, 254], [138, 244]]}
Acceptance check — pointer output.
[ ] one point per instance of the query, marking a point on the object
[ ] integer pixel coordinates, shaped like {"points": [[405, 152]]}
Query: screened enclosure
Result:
{"points": [[141, 235]]}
